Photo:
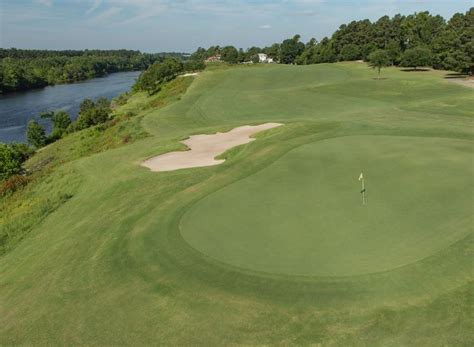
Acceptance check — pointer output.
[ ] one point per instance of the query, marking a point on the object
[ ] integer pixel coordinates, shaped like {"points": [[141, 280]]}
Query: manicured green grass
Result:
{"points": [[303, 214], [111, 265]]}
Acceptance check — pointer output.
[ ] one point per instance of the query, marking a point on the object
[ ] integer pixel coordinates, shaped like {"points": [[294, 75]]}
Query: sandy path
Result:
{"points": [[204, 148], [189, 74]]}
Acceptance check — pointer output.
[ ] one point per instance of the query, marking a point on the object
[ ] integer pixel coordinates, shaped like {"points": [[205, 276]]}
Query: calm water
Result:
{"points": [[16, 109]]}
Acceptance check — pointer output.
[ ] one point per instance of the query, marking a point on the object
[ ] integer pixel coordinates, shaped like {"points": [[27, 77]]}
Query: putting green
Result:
{"points": [[303, 214]]}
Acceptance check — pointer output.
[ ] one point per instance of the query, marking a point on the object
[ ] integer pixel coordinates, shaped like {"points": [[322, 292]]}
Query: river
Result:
{"points": [[16, 109]]}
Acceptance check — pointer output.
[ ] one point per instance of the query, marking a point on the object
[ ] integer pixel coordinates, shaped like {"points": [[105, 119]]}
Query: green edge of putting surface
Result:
{"points": [[303, 214]]}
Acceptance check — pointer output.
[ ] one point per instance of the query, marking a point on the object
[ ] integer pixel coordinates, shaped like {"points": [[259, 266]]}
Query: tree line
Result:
{"points": [[152, 79], [443, 44], [27, 69]]}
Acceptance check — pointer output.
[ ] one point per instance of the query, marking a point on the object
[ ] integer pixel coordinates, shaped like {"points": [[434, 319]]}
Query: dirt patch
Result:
{"points": [[204, 148], [466, 82]]}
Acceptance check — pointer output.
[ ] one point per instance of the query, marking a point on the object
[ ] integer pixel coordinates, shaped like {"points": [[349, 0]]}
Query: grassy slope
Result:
{"points": [[54, 182], [110, 266]]}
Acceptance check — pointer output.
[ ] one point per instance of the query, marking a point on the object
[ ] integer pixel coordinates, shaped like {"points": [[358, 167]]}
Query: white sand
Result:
{"points": [[204, 148]]}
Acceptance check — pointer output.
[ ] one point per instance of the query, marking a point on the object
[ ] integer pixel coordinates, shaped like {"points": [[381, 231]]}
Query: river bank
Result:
{"points": [[17, 108]]}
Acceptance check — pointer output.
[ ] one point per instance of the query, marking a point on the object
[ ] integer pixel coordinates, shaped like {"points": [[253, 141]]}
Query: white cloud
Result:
{"points": [[112, 11], [95, 6], [144, 13], [265, 27], [138, 10]]}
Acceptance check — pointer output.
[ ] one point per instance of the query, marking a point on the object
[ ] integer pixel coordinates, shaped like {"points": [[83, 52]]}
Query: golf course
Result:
{"points": [[271, 245]]}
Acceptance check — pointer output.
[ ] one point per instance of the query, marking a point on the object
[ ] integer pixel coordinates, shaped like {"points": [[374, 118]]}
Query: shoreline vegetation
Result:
{"points": [[22, 69]]}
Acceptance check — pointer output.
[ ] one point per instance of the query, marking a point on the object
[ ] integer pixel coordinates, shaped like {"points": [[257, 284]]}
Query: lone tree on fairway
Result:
{"points": [[379, 59], [415, 57]]}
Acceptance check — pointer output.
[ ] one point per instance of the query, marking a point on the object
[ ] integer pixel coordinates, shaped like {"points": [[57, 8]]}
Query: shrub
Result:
{"points": [[415, 57], [13, 184], [35, 134], [11, 158], [92, 113], [121, 99]]}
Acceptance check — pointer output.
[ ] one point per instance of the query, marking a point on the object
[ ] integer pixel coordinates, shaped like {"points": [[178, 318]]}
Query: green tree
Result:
{"points": [[453, 49], [35, 134], [415, 57], [86, 114], [394, 52], [379, 59], [350, 52], [251, 53], [309, 54], [325, 52], [230, 54], [273, 51], [290, 49], [92, 113], [199, 55], [157, 74], [194, 65], [10, 161], [61, 122]]}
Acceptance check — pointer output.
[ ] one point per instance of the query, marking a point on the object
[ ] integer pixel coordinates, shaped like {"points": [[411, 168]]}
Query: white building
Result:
{"points": [[263, 58]]}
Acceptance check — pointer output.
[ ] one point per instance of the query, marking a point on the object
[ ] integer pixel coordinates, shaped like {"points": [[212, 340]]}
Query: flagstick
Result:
{"points": [[363, 192]]}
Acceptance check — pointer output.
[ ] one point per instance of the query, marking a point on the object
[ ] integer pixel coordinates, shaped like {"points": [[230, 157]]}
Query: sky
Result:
{"points": [[184, 25]]}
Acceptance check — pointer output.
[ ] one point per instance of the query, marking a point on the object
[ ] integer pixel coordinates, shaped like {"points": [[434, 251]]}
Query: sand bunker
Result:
{"points": [[204, 148]]}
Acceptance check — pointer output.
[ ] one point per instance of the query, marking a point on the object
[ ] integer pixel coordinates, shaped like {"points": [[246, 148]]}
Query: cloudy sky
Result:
{"points": [[183, 25]]}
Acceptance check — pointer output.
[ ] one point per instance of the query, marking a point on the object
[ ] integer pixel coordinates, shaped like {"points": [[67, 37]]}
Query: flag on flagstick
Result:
{"points": [[361, 178]]}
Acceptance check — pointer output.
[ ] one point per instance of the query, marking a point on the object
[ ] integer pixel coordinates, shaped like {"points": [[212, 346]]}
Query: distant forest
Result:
{"points": [[445, 44], [450, 44], [22, 69]]}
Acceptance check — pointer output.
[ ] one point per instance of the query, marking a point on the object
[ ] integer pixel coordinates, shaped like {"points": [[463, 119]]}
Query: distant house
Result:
{"points": [[263, 58], [213, 59]]}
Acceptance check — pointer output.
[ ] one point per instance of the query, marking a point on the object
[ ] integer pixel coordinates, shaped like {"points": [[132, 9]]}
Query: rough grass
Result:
{"points": [[49, 188], [111, 267]]}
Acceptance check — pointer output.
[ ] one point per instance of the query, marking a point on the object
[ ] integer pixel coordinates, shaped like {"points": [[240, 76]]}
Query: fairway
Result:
{"points": [[272, 246], [303, 214]]}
